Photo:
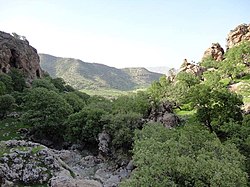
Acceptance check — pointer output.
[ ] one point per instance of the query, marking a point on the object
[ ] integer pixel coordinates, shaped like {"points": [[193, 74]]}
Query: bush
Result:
{"points": [[6, 105], [84, 126], [188, 156], [46, 112]]}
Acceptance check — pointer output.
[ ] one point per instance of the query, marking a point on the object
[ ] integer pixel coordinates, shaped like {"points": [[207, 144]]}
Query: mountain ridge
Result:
{"points": [[85, 75]]}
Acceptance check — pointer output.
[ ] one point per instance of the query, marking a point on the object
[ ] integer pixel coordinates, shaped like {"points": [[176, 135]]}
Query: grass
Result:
{"points": [[9, 129], [187, 115]]}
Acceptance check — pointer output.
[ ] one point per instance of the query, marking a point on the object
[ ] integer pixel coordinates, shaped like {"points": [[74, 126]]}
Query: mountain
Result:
{"points": [[84, 75]]}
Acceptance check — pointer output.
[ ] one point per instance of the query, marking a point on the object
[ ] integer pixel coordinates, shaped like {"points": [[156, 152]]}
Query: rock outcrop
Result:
{"points": [[195, 69], [28, 163], [239, 34], [164, 114], [16, 52], [215, 52]]}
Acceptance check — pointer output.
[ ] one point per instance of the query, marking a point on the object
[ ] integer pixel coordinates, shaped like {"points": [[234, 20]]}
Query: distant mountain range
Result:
{"points": [[159, 69], [84, 75]]}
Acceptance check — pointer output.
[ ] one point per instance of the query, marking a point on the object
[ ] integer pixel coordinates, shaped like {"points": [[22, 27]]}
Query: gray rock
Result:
{"points": [[130, 165], [113, 181]]}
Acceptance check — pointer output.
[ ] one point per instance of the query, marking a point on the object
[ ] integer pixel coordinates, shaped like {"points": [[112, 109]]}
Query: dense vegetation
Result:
{"points": [[210, 147]]}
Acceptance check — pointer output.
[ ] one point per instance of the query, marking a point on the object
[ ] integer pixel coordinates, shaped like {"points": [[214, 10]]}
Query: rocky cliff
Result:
{"points": [[215, 52], [237, 35], [15, 52]]}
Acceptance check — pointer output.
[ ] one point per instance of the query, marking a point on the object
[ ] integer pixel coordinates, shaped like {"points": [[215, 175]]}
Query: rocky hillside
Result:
{"points": [[15, 52], [83, 75]]}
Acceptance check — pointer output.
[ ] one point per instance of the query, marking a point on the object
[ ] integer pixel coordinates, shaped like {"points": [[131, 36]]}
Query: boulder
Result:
{"points": [[104, 140], [237, 35], [164, 114], [216, 52], [192, 68], [15, 52]]}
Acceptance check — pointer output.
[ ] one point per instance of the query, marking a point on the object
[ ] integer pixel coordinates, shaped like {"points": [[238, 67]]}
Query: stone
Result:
{"points": [[15, 52], [192, 68], [164, 114], [104, 140], [130, 165], [113, 181], [215, 52], [237, 35], [102, 175]]}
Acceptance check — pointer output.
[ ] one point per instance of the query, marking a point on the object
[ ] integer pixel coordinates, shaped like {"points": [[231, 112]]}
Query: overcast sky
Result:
{"points": [[124, 33]]}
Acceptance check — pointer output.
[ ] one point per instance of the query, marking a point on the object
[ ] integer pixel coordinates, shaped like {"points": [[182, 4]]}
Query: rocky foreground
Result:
{"points": [[28, 163]]}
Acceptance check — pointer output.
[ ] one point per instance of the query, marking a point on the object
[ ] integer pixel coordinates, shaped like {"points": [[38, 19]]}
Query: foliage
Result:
{"points": [[44, 83], [215, 105], [187, 78], [6, 105], [2, 88], [239, 134], [6, 79], [236, 59], [74, 100], [84, 126], [121, 127], [188, 156], [45, 110], [138, 103], [18, 79], [209, 62]]}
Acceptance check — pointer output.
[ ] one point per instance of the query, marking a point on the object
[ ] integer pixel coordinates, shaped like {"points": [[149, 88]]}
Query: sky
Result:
{"points": [[124, 33]]}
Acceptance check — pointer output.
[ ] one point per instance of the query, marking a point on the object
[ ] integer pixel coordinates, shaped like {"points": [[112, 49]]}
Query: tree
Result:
{"points": [[74, 100], [18, 79], [121, 127], [186, 156], [236, 60], [6, 79], [46, 111], [84, 126], [2, 88], [209, 62], [187, 78], [60, 84], [6, 105], [215, 105], [44, 83]]}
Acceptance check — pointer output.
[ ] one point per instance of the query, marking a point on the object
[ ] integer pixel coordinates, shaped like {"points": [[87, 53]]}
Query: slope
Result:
{"points": [[83, 75]]}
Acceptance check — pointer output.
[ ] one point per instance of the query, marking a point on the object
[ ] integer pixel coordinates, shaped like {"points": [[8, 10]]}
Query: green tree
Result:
{"points": [[6, 105], [46, 111], [84, 126], [187, 78], [2, 88], [215, 106], [121, 127], [18, 79], [236, 59], [186, 156], [209, 63], [74, 100], [6, 79], [138, 103], [44, 83]]}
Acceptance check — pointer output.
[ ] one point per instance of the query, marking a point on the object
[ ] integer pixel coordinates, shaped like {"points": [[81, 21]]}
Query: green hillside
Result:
{"points": [[83, 75]]}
